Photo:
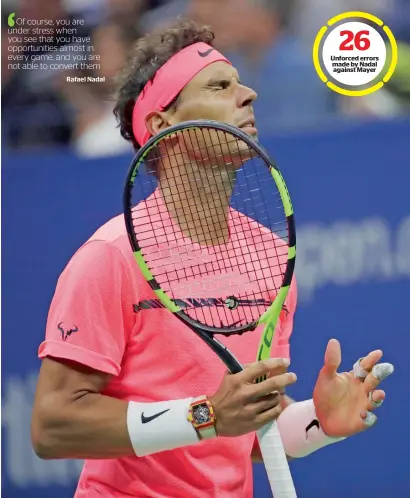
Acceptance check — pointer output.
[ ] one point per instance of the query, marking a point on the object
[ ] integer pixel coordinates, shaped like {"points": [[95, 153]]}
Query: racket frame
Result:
{"points": [[273, 311]]}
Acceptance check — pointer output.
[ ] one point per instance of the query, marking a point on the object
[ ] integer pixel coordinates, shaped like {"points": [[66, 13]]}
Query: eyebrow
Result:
{"points": [[216, 80]]}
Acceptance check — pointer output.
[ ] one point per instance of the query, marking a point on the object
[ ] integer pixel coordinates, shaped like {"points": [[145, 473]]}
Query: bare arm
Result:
{"points": [[72, 419]]}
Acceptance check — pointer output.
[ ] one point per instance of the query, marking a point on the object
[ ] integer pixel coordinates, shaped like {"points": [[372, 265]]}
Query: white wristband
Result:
{"points": [[161, 426], [300, 430]]}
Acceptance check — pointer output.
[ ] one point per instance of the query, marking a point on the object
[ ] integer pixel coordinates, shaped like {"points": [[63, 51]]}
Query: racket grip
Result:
{"points": [[275, 460]]}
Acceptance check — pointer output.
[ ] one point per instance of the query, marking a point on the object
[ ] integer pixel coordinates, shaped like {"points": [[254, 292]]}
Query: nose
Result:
{"points": [[246, 96]]}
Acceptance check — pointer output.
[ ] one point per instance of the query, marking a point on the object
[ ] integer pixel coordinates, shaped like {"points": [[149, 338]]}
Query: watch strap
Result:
{"points": [[208, 431]]}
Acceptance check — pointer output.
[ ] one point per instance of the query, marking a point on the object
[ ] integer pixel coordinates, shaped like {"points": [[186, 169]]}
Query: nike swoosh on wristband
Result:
{"points": [[145, 419], [314, 423], [205, 54]]}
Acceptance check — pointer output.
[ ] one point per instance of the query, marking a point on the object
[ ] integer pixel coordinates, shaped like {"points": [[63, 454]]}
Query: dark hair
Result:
{"points": [[149, 54]]}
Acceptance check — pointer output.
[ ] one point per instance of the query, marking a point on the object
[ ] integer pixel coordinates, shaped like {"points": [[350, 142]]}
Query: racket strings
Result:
{"points": [[234, 279], [204, 214]]}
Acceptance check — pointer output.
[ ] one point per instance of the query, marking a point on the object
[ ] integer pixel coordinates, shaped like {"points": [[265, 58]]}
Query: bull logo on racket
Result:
{"points": [[231, 303], [65, 334]]}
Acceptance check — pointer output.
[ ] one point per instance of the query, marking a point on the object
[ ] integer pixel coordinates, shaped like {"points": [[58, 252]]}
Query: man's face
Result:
{"points": [[217, 94]]}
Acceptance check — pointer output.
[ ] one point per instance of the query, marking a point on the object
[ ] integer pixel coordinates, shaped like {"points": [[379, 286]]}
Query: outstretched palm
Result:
{"points": [[342, 401]]}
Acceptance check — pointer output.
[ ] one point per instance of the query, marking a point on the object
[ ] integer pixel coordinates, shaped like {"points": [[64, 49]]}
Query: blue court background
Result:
{"points": [[351, 191]]}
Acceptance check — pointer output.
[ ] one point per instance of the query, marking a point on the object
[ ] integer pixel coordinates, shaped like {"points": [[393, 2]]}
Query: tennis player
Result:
{"points": [[133, 391]]}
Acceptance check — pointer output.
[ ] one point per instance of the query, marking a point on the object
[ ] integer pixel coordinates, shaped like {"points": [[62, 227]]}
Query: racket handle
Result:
{"points": [[275, 460]]}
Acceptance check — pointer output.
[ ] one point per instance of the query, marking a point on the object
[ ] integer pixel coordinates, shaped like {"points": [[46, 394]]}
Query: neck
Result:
{"points": [[198, 200]]}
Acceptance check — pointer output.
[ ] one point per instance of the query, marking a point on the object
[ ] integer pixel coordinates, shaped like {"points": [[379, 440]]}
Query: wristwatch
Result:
{"points": [[202, 416]]}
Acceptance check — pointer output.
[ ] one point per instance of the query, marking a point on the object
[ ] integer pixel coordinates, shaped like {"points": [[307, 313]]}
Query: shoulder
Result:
{"points": [[113, 233], [106, 253]]}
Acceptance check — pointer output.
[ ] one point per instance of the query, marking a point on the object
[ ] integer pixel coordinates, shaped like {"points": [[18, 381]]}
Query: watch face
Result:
{"points": [[201, 414]]}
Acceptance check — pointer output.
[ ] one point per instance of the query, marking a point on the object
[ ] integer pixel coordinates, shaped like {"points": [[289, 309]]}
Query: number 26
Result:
{"points": [[360, 41]]}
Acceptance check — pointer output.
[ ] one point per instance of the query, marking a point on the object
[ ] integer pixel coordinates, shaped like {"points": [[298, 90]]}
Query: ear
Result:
{"points": [[157, 121]]}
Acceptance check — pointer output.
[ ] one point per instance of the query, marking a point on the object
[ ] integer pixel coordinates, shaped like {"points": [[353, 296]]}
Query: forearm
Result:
{"points": [[96, 427], [92, 426]]}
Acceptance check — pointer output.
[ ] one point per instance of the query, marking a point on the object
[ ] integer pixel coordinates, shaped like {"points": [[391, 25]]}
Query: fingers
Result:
{"points": [[267, 416], [375, 399], [369, 361], [275, 370], [373, 374], [358, 372], [379, 372], [266, 403], [333, 358], [268, 386], [263, 368], [363, 366], [369, 419], [242, 404]]}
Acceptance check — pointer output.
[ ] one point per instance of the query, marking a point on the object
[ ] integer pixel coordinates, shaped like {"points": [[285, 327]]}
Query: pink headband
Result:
{"points": [[168, 81]]}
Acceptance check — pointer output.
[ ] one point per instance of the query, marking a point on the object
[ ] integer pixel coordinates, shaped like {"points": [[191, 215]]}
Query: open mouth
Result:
{"points": [[249, 128], [248, 125]]}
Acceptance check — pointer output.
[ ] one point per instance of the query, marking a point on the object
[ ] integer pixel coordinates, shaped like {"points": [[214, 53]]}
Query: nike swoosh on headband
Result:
{"points": [[205, 54]]}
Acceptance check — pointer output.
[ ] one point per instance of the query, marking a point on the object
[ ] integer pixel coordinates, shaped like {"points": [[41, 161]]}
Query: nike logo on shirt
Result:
{"points": [[145, 419]]}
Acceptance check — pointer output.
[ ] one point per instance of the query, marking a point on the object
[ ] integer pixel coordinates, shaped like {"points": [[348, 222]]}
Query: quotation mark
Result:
{"points": [[10, 20]]}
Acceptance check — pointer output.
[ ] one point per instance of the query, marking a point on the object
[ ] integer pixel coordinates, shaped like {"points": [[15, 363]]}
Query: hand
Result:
{"points": [[242, 406], [342, 401]]}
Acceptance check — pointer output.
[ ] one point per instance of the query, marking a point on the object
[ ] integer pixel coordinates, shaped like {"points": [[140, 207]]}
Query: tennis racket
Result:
{"points": [[211, 226]]}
